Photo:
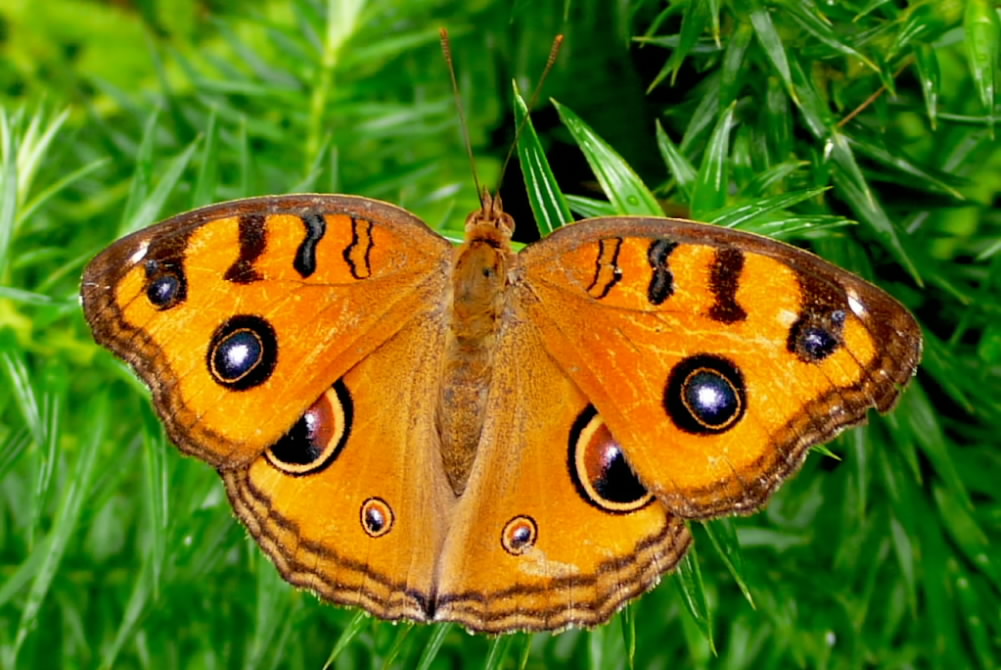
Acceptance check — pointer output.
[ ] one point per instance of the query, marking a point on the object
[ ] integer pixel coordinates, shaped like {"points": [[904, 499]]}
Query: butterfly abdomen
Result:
{"points": [[478, 285], [478, 293]]}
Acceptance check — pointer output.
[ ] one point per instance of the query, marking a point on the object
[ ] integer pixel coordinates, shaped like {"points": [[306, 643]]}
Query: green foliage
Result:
{"points": [[789, 117]]}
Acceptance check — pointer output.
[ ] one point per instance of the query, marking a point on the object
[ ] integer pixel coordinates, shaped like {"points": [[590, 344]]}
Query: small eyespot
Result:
{"points": [[318, 437], [705, 394], [243, 352], [519, 535], [166, 285], [599, 469], [817, 343], [163, 292], [817, 334], [377, 517]]}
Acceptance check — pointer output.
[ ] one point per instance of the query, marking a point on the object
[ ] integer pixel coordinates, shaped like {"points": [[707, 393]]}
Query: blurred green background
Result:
{"points": [[791, 117]]}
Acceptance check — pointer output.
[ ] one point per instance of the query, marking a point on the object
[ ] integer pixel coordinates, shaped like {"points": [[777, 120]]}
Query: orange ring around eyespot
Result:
{"points": [[585, 429], [336, 403]]}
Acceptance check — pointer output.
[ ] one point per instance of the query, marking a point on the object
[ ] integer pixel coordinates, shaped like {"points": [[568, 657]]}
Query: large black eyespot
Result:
{"points": [[166, 285], [705, 394], [599, 469], [318, 437], [243, 352]]}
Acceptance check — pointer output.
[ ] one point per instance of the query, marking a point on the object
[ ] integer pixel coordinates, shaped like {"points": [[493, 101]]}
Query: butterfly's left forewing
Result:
{"points": [[715, 357], [240, 315]]}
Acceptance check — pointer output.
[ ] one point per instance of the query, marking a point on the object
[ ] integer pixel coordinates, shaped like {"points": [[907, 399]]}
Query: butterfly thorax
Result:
{"points": [[478, 283]]}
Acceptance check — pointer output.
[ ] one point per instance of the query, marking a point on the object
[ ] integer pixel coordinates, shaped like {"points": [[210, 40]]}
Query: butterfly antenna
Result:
{"points": [[554, 53], [446, 50]]}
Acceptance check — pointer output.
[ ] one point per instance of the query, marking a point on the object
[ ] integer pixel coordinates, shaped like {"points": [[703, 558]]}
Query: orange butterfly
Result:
{"points": [[512, 441]]}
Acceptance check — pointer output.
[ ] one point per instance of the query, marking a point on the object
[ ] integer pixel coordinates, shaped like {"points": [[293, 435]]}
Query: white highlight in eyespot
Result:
{"points": [[140, 253], [710, 397], [238, 355], [857, 308]]}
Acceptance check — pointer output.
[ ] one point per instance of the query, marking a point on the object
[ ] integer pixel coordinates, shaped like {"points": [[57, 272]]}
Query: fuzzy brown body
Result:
{"points": [[509, 441], [479, 281]]}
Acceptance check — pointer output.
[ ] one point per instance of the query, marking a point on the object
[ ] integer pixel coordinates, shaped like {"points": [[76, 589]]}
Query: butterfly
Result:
{"points": [[511, 441]]}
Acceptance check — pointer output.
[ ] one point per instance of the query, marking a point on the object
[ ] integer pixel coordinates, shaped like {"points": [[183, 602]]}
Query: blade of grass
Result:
{"points": [[688, 580], [770, 40], [723, 535], [8, 189], [141, 175], [49, 554], [930, 76], [925, 179], [273, 610], [712, 180], [157, 498], [24, 391], [968, 535], [355, 626], [544, 195], [135, 608], [148, 210], [628, 619], [848, 177], [30, 207], [498, 652], [983, 35], [33, 148], [771, 176], [13, 445], [732, 78], [619, 182], [50, 416], [679, 166], [734, 217], [400, 637], [433, 645], [928, 434], [589, 207], [693, 22], [208, 165], [341, 22], [971, 603], [808, 16]]}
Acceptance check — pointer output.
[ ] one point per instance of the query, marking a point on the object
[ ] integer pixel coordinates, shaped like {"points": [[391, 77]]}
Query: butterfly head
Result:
{"points": [[490, 222]]}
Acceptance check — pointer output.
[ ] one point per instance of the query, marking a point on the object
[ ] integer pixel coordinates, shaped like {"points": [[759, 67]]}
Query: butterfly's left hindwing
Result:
{"points": [[715, 357], [360, 519]]}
